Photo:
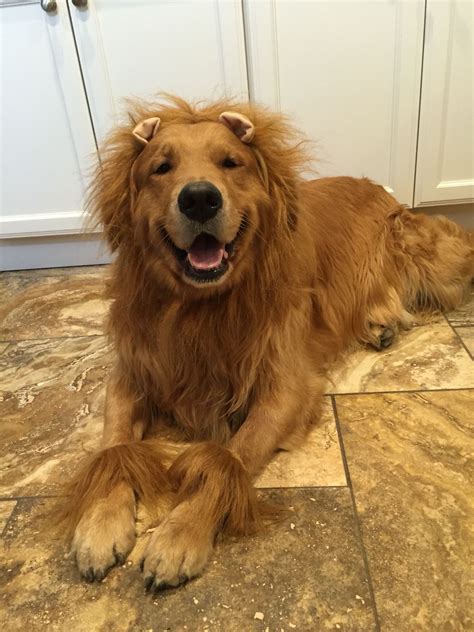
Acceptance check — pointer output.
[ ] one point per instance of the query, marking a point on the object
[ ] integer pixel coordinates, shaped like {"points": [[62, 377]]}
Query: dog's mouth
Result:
{"points": [[207, 259]]}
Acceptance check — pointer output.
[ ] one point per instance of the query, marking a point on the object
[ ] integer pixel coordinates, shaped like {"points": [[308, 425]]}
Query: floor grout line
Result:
{"points": [[308, 487], [14, 341], [402, 391], [17, 498], [9, 520], [259, 489], [453, 328], [44, 273], [356, 515]]}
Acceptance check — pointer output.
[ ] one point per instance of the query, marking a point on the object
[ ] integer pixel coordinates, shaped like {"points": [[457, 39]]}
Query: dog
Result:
{"points": [[235, 286]]}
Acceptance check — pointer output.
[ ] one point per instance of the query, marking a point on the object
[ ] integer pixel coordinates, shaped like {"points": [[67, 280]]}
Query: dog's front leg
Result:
{"points": [[101, 508], [214, 489]]}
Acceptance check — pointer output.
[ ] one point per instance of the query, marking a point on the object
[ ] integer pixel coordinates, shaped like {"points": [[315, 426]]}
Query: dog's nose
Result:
{"points": [[200, 200]]}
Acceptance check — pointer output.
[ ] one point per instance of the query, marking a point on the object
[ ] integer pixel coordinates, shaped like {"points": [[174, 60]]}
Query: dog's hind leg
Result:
{"points": [[100, 507], [435, 258], [385, 319]]}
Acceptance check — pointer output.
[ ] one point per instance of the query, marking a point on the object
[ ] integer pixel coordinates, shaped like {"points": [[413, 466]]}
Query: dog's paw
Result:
{"points": [[383, 337], [177, 551], [103, 538]]}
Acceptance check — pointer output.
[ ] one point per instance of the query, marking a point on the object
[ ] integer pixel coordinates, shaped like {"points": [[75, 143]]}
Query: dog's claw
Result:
{"points": [[386, 338], [148, 581], [142, 564], [89, 575], [383, 337], [154, 586], [100, 574], [160, 586]]}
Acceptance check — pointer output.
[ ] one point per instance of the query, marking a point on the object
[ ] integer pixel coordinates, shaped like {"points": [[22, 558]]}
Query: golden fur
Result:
{"points": [[237, 365]]}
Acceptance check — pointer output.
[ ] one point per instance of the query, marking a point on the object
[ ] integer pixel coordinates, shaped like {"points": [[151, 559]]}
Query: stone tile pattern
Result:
{"points": [[428, 357], [399, 528], [462, 321], [52, 303], [317, 463], [306, 572], [411, 459]]}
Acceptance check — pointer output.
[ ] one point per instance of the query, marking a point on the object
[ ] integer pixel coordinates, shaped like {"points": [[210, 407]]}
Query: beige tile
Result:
{"points": [[6, 510], [42, 304], [305, 573], [411, 463], [467, 336], [317, 463], [51, 409], [427, 357], [464, 315]]}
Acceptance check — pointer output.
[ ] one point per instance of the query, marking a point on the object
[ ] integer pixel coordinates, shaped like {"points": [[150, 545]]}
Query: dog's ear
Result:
{"points": [[144, 131], [239, 124]]}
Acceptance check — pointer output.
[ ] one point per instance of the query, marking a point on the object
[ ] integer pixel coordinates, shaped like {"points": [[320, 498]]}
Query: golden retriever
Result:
{"points": [[235, 283]]}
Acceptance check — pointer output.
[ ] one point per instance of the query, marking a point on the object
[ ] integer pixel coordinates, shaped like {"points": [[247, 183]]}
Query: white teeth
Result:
{"points": [[226, 254]]}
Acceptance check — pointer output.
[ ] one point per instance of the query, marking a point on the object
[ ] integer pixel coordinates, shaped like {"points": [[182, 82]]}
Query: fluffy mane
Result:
{"points": [[229, 335]]}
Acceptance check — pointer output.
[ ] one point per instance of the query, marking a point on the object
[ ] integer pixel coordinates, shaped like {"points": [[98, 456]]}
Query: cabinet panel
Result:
{"points": [[349, 73], [46, 133], [195, 49], [445, 167]]}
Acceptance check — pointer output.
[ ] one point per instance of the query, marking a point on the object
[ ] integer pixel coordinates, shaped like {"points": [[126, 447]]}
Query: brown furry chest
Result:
{"points": [[195, 372]]}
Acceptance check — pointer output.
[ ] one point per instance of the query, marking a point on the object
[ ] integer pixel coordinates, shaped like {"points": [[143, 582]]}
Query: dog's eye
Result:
{"points": [[228, 163], [163, 168]]}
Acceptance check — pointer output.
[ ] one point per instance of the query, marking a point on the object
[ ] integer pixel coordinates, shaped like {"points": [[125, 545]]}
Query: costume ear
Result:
{"points": [[145, 130], [239, 124]]}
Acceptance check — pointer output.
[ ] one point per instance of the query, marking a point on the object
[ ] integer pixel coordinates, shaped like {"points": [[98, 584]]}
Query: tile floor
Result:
{"points": [[380, 529]]}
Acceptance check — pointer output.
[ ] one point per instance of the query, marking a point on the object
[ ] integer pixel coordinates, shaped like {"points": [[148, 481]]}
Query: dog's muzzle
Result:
{"points": [[200, 222]]}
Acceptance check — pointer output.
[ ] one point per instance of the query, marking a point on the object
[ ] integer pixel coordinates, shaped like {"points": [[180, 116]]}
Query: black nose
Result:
{"points": [[200, 200]]}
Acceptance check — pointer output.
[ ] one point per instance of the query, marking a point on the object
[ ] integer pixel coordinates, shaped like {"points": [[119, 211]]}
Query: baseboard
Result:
{"points": [[52, 252], [462, 214]]}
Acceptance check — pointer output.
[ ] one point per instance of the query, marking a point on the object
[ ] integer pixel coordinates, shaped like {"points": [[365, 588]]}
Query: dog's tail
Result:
{"points": [[435, 258], [142, 465]]}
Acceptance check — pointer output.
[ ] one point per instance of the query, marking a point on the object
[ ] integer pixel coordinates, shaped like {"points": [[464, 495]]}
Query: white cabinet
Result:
{"points": [[46, 133], [349, 73], [193, 48], [352, 74], [445, 164]]}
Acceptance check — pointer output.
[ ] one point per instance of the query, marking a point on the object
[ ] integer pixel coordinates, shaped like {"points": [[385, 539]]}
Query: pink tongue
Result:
{"points": [[205, 253]]}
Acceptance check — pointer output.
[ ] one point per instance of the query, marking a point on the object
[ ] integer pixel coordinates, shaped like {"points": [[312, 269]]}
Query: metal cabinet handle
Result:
{"points": [[49, 6], [80, 4]]}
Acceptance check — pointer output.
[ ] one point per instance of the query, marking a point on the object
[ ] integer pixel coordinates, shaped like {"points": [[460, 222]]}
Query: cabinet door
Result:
{"points": [[46, 133], [192, 48], [349, 73], [445, 166]]}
